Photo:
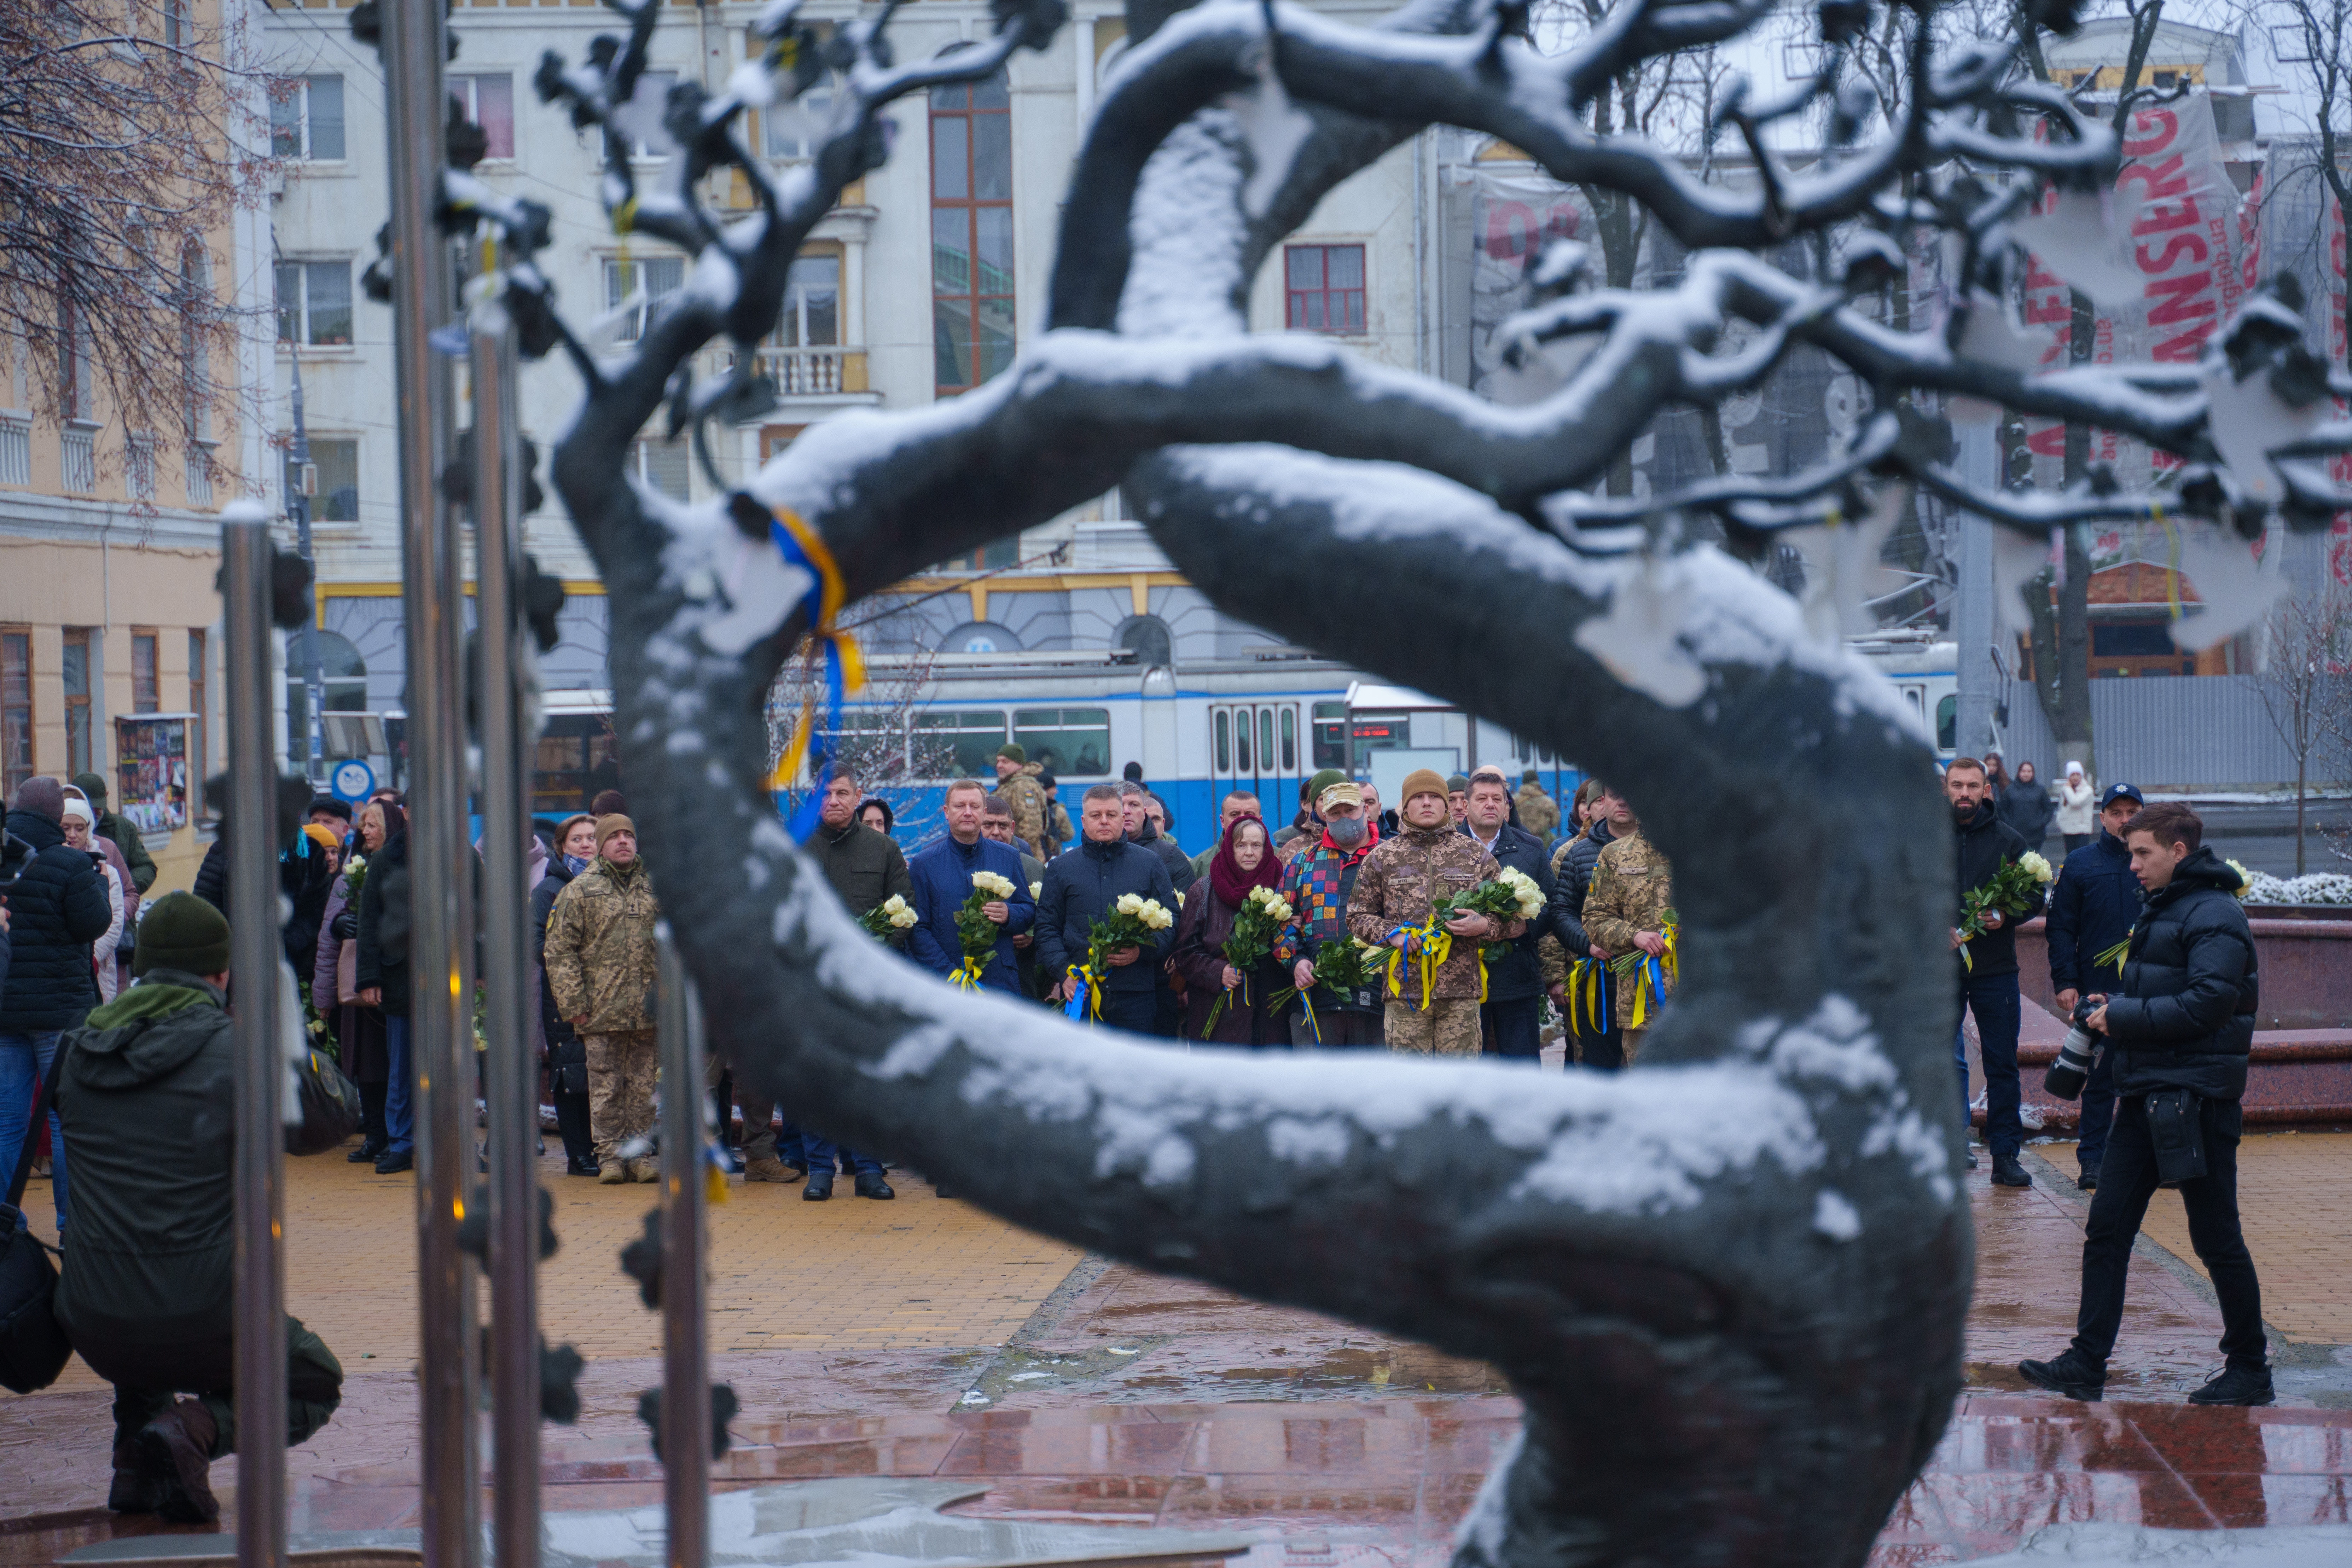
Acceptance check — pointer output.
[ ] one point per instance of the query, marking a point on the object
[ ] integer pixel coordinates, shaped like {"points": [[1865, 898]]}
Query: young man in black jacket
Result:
{"points": [[2092, 906], [1081, 886], [1982, 844], [2180, 1026]]}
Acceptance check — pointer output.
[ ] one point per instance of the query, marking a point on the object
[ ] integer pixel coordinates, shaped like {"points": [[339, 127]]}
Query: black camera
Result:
{"points": [[2076, 1057]]}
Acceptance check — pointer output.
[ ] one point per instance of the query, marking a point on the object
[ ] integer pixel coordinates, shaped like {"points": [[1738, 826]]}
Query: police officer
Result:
{"points": [[2180, 1028], [2092, 909]]}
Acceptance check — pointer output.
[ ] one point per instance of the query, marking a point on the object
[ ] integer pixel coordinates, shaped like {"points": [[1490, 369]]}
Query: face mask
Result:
{"points": [[575, 864], [1347, 832]]}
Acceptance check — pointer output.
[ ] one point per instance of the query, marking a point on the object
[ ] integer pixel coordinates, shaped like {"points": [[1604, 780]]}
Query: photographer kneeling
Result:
{"points": [[2180, 1026]]}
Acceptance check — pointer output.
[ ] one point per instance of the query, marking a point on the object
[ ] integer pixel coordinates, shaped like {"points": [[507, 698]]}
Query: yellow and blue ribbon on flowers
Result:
{"points": [[967, 976], [1588, 980], [1429, 945], [1084, 1005], [845, 665], [1650, 976]]}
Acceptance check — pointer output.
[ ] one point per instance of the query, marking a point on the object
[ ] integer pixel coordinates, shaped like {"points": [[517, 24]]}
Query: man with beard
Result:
{"points": [[1317, 883], [1982, 844]]}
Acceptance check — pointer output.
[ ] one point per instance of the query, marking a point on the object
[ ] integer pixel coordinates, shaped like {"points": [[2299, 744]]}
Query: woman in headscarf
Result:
{"points": [[1243, 861], [334, 985]]}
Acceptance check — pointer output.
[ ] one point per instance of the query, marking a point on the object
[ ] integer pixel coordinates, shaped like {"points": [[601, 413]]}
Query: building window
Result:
{"points": [[488, 101], [641, 118], [990, 557], [177, 33], [146, 691], [195, 353], [342, 676], [336, 498], [314, 304], [306, 119], [74, 667], [1153, 645], [972, 233], [812, 317], [15, 709], [1323, 288], [666, 467], [640, 283], [77, 376], [197, 756], [793, 130], [16, 452]]}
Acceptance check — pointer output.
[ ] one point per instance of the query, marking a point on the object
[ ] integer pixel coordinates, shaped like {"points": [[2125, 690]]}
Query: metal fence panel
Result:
{"points": [[2209, 731]]}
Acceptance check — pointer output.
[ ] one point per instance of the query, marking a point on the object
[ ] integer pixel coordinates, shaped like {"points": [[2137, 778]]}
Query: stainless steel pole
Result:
{"points": [[439, 1024], [512, 1073], [254, 960], [686, 1361]]}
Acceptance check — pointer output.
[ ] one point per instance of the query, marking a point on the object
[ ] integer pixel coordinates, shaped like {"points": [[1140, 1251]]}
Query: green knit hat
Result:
{"points": [[180, 930], [1013, 751], [1318, 783], [92, 785]]}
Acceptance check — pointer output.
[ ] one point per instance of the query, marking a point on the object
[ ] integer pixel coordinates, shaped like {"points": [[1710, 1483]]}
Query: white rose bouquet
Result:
{"points": [[974, 931], [1511, 896], [886, 918], [2019, 888], [1133, 921], [1256, 924]]}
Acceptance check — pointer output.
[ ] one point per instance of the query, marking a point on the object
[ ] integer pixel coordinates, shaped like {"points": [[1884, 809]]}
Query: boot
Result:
{"points": [[870, 1185], [612, 1174], [2073, 1374], [768, 1168], [2237, 1386], [2008, 1173], [137, 1488], [647, 1170], [177, 1447], [820, 1185]]}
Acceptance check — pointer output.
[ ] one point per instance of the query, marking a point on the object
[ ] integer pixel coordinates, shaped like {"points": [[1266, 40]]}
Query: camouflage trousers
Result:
{"points": [[620, 1090], [1448, 1028], [1633, 1038]]}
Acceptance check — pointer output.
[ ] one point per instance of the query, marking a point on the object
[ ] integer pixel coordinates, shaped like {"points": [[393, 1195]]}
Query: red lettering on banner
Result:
{"points": [[2161, 125], [2049, 442], [2193, 244], [2162, 220], [2161, 183]]}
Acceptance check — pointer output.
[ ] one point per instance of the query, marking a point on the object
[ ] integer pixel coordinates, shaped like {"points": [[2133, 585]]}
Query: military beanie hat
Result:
{"points": [[609, 824], [1014, 752], [180, 930], [1423, 781]]}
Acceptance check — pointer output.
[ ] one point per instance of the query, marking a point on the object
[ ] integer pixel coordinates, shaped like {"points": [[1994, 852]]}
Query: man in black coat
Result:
{"points": [[1081, 886], [1572, 867], [2180, 1026], [2092, 907], [1135, 812], [1512, 1015], [56, 906], [1982, 844]]}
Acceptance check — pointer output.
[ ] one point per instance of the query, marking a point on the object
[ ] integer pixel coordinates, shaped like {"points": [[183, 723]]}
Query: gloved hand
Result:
{"points": [[346, 926]]}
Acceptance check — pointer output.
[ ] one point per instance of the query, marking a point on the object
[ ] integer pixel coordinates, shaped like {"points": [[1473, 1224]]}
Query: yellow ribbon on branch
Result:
{"points": [[845, 662]]}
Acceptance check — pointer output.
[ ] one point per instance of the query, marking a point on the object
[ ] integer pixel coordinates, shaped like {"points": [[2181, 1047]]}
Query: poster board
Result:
{"points": [[150, 769]]}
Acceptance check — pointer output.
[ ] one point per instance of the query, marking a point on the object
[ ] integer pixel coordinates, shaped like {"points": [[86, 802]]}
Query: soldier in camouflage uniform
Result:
{"points": [[599, 966], [1538, 813], [1395, 887], [1625, 911], [1017, 785]]}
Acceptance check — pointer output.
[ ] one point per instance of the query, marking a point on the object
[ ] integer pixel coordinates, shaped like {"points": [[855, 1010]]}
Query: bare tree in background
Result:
{"points": [[119, 133], [875, 740], [2304, 685]]}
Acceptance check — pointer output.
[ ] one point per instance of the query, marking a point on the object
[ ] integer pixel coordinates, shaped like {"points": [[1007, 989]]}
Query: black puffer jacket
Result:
{"points": [[1982, 844], [385, 926], [2185, 1016], [1081, 886], [2028, 808], [1573, 877], [557, 1027], [56, 906]]}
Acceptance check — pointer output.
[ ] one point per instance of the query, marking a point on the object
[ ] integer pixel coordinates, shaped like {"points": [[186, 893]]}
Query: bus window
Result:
{"points": [[1330, 736], [968, 740], [1069, 742], [1948, 724], [1242, 742], [1290, 740], [1225, 742], [1266, 740]]}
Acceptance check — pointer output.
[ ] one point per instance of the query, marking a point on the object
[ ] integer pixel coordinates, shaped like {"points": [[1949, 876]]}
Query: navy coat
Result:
{"points": [[1081, 885], [1521, 976], [2092, 906], [942, 881]]}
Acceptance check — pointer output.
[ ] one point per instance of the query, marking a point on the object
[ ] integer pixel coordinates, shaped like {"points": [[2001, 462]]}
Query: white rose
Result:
{"points": [[1130, 904], [902, 917], [1036, 890]]}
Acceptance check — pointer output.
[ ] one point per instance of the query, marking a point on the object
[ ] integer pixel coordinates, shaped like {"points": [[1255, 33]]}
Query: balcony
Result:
{"points": [[80, 450], [16, 452], [815, 373]]}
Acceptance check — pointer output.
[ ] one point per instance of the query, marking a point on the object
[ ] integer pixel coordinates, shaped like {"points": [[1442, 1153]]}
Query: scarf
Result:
{"points": [[1231, 883]]}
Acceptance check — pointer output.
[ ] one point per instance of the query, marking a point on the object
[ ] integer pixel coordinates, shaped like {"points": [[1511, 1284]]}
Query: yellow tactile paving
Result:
{"points": [[849, 1274], [2294, 1201]]}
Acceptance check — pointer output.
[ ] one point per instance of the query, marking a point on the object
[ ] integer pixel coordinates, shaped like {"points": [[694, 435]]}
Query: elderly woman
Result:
{"points": [[1245, 860]]}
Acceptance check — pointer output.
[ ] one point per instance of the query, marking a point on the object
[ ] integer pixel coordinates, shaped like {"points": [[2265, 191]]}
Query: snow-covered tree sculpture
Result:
{"points": [[1730, 1284]]}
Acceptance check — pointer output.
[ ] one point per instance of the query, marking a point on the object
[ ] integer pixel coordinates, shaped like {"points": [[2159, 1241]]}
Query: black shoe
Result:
{"points": [[580, 1167], [820, 1186], [137, 1488], [941, 1189], [2072, 1375], [2008, 1173], [870, 1185], [1973, 1158], [393, 1164], [367, 1153], [176, 1449], [2089, 1180], [2237, 1386]]}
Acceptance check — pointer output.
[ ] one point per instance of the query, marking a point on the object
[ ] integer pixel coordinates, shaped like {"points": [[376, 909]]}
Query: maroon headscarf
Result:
{"points": [[1225, 875]]}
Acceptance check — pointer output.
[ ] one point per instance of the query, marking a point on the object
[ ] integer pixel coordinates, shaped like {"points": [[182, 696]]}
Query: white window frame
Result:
{"points": [[652, 89], [302, 120], [462, 87], [300, 341], [619, 286], [800, 122]]}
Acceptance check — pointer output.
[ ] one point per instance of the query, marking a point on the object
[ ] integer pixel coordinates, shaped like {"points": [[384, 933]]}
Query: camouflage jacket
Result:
{"points": [[600, 947], [1633, 889], [1399, 881], [1538, 812], [1026, 796]]}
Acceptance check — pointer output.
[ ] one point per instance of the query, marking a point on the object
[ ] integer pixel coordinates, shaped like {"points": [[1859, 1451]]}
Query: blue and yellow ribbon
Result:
{"points": [[845, 665], [967, 976], [1429, 944], [1588, 983], [1084, 1005], [1650, 977]]}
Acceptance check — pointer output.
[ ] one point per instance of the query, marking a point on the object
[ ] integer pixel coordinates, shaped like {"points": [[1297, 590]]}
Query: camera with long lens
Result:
{"points": [[2071, 1070]]}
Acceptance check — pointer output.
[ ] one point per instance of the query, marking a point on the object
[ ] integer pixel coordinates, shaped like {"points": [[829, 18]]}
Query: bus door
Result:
{"points": [[1257, 746]]}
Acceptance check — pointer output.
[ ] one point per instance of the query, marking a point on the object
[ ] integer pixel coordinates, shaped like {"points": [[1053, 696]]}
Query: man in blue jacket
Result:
{"points": [[2092, 909], [1081, 886], [2179, 1022], [942, 877], [1512, 1013]]}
